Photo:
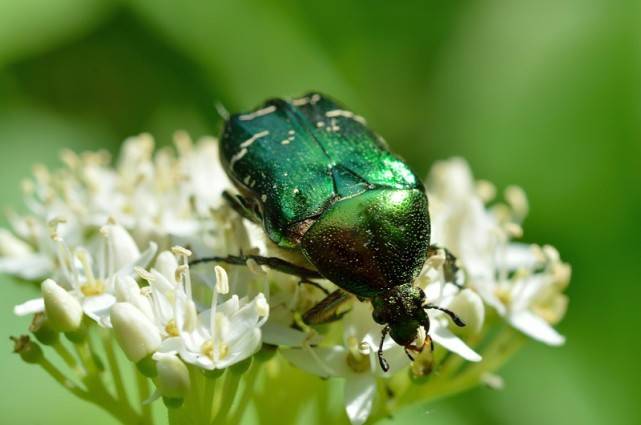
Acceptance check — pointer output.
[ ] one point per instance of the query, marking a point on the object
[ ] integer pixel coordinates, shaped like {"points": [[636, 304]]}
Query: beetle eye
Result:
{"points": [[422, 296], [379, 316]]}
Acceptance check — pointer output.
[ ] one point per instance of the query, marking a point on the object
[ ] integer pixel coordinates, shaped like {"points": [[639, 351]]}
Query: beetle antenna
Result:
{"points": [[381, 359], [457, 320], [408, 354]]}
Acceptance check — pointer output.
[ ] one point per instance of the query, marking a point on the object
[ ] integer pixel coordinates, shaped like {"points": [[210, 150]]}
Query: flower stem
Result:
{"points": [[66, 357], [121, 392], [230, 387], [143, 394], [248, 389]]}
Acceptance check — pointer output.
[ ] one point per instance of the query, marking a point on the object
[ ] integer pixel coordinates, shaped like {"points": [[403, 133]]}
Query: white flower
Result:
{"points": [[222, 335], [355, 361], [91, 279], [20, 259], [513, 278]]}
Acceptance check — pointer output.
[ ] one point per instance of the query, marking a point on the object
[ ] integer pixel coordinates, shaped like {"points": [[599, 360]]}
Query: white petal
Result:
{"points": [[34, 306], [97, 308], [170, 345], [360, 389], [278, 334], [243, 348], [33, 267], [519, 256], [443, 336], [321, 361], [536, 328]]}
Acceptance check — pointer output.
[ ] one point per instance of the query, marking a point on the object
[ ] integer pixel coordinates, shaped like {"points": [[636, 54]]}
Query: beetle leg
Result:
{"points": [[457, 320], [242, 206], [274, 263], [326, 310], [317, 285], [381, 360], [451, 269]]}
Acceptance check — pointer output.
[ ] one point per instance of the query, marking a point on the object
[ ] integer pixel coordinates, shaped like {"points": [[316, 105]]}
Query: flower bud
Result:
{"points": [[172, 379], [137, 335], [166, 264], [63, 309], [122, 247], [469, 307]]}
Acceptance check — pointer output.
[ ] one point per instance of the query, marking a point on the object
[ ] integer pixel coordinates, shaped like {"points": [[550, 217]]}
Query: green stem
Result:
{"points": [[67, 357], [124, 416], [230, 387], [143, 394], [248, 390], [208, 399], [194, 399], [60, 378], [99, 395], [121, 391]]}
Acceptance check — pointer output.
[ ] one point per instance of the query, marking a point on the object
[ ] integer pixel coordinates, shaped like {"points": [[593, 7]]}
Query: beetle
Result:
{"points": [[323, 185]]}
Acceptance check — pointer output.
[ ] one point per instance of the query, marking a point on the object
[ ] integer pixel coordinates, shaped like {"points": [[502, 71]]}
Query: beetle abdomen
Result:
{"points": [[372, 241]]}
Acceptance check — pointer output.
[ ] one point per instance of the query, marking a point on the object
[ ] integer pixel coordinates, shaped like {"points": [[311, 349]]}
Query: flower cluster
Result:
{"points": [[113, 248]]}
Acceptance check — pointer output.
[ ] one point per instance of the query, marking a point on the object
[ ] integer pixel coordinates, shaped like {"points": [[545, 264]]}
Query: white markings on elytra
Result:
{"points": [[247, 143], [258, 113], [305, 100], [285, 142], [263, 198], [346, 114]]}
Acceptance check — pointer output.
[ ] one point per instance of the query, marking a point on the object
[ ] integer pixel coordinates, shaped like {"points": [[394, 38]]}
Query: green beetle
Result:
{"points": [[322, 184]]}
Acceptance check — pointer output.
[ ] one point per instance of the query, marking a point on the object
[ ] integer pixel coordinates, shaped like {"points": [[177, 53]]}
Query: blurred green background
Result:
{"points": [[543, 94]]}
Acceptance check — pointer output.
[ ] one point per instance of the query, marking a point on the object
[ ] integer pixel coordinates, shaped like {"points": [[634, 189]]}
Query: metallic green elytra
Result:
{"points": [[321, 183]]}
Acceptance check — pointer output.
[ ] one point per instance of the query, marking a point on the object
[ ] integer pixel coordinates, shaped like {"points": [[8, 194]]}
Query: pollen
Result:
{"points": [[94, 288], [171, 328]]}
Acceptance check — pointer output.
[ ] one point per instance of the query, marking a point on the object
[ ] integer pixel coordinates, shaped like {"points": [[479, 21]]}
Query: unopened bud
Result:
{"points": [[166, 265], [469, 307], [122, 247], [63, 309], [137, 335], [172, 377]]}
